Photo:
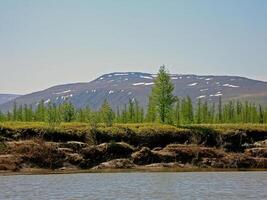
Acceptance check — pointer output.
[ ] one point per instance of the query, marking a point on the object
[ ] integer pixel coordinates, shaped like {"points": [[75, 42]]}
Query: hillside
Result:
{"points": [[7, 97], [118, 88]]}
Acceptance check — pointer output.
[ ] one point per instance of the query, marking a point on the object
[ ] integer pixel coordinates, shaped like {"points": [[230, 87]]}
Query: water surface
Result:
{"points": [[162, 186]]}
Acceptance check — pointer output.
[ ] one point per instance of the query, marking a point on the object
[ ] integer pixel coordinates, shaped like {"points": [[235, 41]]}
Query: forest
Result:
{"points": [[163, 107]]}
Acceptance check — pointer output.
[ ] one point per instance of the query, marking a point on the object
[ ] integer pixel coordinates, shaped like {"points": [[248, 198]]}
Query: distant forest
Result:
{"points": [[163, 107]]}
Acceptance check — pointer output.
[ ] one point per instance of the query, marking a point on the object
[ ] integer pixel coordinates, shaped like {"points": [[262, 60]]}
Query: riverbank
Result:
{"points": [[38, 171], [29, 148]]}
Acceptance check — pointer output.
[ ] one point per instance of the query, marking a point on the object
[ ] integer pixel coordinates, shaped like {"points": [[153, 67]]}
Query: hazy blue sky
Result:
{"points": [[49, 42]]}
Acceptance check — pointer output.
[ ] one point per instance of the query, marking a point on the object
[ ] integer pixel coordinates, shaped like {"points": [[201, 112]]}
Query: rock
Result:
{"points": [[116, 164], [74, 158], [247, 145], [168, 165], [10, 162], [175, 153], [145, 156], [262, 144], [257, 152], [75, 145], [66, 150], [62, 168], [157, 149], [237, 160], [261, 163], [186, 153], [104, 152], [42, 155], [211, 162]]}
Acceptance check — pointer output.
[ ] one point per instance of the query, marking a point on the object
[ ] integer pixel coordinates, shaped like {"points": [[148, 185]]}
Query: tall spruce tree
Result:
{"points": [[162, 95]]}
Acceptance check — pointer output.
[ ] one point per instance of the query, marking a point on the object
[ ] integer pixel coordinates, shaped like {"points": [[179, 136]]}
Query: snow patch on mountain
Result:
{"points": [[146, 77], [231, 86], [151, 83], [141, 83], [201, 96], [202, 90], [47, 101], [126, 74], [63, 92], [192, 84]]}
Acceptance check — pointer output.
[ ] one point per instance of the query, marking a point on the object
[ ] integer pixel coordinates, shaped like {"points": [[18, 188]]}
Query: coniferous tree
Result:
{"points": [[2, 116], [124, 114], [118, 115], [190, 110], [131, 113], [162, 95], [142, 115], [212, 114], [246, 113], [27, 113], [106, 113], [9, 116], [40, 113], [15, 112], [220, 115], [136, 112], [261, 115], [53, 115], [81, 115], [265, 115], [199, 112], [177, 113], [20, 113], [151, 110], [205, 112], [67, 112], [94, 120], [187, 111]]}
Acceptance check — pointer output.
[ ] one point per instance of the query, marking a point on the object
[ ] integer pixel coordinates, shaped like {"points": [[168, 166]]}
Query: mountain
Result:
{"points": [[119, 87], [7, 97]]}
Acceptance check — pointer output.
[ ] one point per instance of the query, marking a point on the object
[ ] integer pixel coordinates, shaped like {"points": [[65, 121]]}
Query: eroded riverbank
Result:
{"points": [[147, 147]]}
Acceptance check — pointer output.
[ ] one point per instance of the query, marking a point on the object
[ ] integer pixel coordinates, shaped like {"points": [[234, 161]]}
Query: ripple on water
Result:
{"points": [[162, 186]]}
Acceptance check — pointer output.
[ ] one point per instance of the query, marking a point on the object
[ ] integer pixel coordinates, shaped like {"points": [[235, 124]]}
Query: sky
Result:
{"points": [[45, 43]]}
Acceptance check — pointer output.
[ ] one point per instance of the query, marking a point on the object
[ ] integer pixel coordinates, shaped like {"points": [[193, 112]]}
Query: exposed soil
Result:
{"points": [[198, 148]]}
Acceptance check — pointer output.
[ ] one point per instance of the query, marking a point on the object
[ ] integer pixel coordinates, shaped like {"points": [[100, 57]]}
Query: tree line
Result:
{"points": [[163, 107]]}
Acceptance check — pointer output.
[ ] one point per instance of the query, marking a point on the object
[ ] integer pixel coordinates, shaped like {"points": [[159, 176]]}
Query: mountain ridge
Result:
{"points": [[119, 87]]}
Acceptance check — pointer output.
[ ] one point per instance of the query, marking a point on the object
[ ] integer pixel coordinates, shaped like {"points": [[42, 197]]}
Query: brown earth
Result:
{"points": [[201, 148]]}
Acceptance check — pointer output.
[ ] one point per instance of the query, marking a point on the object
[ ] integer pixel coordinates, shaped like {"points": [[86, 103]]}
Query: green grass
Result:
{"points": [[139, 128], [144, 134]]}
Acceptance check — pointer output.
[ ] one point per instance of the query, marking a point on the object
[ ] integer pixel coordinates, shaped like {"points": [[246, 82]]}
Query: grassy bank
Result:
{"points": [[151, 135], [76, 146]]}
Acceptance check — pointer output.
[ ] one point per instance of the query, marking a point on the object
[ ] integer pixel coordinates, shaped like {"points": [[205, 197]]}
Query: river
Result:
{"points": [[162, 186]]}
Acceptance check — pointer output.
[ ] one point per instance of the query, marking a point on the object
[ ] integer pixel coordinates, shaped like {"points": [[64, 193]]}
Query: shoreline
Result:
{"points": [[38, 171]]}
